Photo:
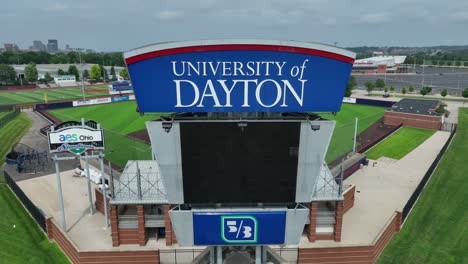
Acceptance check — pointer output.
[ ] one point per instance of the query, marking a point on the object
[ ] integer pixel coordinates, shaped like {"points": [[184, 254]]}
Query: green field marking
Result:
{"points": [[342, 139], [436, 231], [399, 143]]}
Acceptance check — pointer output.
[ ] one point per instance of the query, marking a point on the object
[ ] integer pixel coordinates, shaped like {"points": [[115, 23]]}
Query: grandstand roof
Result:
{"points": [[416, 106]]}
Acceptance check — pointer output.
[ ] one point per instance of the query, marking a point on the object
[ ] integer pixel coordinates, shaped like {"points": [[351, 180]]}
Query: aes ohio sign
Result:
{"points": [[239, 76], [76, 140]]}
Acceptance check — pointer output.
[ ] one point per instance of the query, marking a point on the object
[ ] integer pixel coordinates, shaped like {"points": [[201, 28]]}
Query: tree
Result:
{"points": [[104, 74], [349, 88], [458, 63], [112, 72], [379, 83], [95, 72], [61, 72], [403, 90], [434, 62], [411, 88], [30, 72], [85, 75], [7, 73], [443, 93], [369, 86], [47, 77], [73, 70], [465, 93], [124, 74], [465, 64], [385, 89], [449, 63], [441, 63], [425, 90], [392, 89]]}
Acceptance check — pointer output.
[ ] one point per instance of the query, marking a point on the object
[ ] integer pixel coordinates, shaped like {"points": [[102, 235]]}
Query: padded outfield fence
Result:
{"points": [[33, 210], [417, 192]]}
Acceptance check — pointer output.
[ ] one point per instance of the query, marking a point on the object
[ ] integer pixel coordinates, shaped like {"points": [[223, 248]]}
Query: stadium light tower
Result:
{"points": [[81, 66]]}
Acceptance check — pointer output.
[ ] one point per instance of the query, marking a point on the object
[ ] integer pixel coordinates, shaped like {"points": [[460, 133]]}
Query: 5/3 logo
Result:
{"points": [[239, 229]]}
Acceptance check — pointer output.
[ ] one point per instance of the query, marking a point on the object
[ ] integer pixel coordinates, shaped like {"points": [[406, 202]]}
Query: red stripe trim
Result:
{"points": [[227, 47]]}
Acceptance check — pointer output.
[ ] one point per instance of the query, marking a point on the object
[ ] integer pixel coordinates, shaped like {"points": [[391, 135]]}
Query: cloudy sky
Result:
{"points": [[107, 25]]}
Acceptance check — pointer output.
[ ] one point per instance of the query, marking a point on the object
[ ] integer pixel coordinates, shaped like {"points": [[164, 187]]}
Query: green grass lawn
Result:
{"points": [[399, 143], [38, 96], [21, 240], [11, 133], [118, 120], [437, 228], [342, 139]]}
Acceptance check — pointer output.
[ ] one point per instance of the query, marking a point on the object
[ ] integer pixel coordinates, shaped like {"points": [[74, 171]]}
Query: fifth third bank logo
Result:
{"points": [[239, 229]]}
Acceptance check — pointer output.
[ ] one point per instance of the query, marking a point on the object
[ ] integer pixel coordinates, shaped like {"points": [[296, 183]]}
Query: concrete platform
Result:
{"points": [[380, 191]]}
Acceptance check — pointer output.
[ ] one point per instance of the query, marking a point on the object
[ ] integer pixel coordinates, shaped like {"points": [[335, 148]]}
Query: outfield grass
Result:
{"points": [[39, 96], [120, 117], [437, 228], [342, 139], [21, 240], [400, 143], [118, 120], [11, 133]]}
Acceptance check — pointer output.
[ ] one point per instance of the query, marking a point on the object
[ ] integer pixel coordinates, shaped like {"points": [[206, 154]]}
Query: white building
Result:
{"points": [[65, 80]]}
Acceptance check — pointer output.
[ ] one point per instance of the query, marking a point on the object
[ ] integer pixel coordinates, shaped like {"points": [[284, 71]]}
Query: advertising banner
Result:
{"points": [[120, 87], [92, 101], [349, 100], [243, 228], [239, 76], [75, 140]]}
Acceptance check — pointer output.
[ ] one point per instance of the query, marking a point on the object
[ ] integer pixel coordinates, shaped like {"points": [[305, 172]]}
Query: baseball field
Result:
{"points": [[436, 231], [14, 97]]}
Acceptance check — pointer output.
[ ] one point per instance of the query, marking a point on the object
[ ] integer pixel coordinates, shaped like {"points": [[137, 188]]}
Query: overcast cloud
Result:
{"points": [[122, 25]]}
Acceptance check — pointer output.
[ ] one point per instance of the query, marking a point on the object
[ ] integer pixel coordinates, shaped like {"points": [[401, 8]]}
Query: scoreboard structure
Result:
{"points": [[241, 152]]}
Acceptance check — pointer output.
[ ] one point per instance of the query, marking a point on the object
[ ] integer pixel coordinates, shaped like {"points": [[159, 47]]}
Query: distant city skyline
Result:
{"points": [[108, 26]]}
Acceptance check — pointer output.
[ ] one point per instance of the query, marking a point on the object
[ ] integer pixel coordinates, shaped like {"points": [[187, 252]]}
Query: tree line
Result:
{"points": [[110, 59], [8, 75]]}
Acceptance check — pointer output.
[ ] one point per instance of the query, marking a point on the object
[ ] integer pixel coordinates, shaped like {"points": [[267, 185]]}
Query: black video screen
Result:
{"points": [[226, 162]]}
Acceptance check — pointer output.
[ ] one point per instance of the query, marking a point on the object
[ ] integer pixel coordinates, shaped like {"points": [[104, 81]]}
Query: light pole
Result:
{"points": [[82, 78]]}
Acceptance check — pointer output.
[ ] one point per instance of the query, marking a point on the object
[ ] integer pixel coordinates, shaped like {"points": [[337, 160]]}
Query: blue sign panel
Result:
{"points": [[121, 86], [260, 76], [263, 228], [120, 98]]}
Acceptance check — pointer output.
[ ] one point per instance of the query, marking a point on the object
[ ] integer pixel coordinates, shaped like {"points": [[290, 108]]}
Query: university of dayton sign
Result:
{"points": [[75, 140], [239, 76]]}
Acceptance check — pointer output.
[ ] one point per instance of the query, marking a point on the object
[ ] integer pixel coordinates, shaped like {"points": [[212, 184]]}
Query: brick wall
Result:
{"points": [[102, 257], [170, 235], [99, 203], [311, 229], [356, 254], [348, 201], [338, 221], [142, 237], [412, 120], [114, 221]]}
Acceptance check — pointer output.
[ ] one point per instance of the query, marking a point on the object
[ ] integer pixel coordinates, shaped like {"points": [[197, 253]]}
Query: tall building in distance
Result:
{"points": [[52, 45], [11, 47], [38, 46]]}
